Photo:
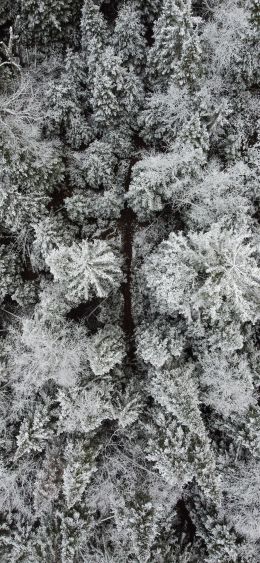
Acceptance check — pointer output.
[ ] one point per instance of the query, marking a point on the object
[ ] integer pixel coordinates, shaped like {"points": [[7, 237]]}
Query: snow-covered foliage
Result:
{"points": [[85, 267], [105, 349], [214, 272], [129, 281]]}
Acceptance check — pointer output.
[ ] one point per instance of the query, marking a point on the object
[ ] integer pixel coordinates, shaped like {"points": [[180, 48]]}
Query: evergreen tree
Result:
{"points": [[83, 267], [43, 23], [171, 32], [215, 272]]}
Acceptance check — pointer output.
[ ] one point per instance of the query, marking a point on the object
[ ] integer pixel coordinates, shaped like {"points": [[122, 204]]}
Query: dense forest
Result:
{"points": [[130, 281]]}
